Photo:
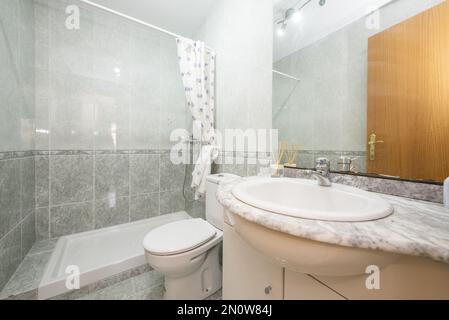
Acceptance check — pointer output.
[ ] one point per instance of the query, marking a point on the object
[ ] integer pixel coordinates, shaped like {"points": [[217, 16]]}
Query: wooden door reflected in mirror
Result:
{"points": [[408, 98]]}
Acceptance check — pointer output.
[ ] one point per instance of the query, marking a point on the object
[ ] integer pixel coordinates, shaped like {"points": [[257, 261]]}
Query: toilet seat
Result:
{"points": [[179, 237]]}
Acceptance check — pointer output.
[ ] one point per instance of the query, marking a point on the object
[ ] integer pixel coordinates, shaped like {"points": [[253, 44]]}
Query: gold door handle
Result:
{"points": [[372, 146]]}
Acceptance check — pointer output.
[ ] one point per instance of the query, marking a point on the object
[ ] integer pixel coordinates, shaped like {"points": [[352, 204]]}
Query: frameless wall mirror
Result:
{"points": [[367, 80]]}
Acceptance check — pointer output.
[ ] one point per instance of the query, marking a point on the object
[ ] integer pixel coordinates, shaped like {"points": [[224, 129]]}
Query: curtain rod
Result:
{"points": [[286, 75], [96, 5]]}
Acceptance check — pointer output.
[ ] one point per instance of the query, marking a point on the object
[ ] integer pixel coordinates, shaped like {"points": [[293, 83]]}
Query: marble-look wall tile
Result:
{"points": [[237, 169], [144, 111], [17, 76], [42, 103], [112, 106], [42, 181], [226, 28], [144, 173], [9, 113], [9, 195], [111, 176], [17, 203], [126, 186], [10, 254], [71, 112], [110, 87], [42, 223], [144, 206], [111, 211], [172, 175], [196, 209], [71, 179], [28, 233], [70, 219], [172, 201], [27, 185], [105, 81]]}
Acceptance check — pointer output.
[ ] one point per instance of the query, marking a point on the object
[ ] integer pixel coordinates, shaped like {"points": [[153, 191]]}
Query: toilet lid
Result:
{"points": [[178, 237]]}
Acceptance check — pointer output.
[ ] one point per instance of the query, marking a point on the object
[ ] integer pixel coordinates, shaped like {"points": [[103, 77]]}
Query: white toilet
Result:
{"points": [[187, 251]]}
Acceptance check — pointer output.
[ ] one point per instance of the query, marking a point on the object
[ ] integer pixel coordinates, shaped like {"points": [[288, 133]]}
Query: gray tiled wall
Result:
{"points": [[111, 89], [17, 233], [243, 164], [78, 191], [17, 75], [17, 219], [111, 85]]}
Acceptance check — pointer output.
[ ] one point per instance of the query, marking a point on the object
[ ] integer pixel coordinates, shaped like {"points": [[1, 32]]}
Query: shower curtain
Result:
{"points": [[197, 66]]}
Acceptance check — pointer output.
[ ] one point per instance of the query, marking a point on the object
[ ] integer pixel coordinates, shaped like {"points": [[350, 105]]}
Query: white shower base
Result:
{"points": [[99, 254]]}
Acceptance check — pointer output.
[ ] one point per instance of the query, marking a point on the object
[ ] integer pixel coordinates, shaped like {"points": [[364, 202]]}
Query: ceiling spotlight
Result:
{"points": [[281, 29], [293, 14], [296, 16]]}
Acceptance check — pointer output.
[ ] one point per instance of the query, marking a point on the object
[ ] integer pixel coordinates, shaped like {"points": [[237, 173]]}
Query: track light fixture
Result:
{"points": [[293, 14]]}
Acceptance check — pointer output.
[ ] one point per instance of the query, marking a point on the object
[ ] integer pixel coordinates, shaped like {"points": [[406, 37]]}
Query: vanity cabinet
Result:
{"points": [[247, 275], [299, 286]]}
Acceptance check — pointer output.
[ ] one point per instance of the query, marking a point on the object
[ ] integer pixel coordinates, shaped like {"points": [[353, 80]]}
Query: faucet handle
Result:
{"points": [[322, 161], [322, 165]]}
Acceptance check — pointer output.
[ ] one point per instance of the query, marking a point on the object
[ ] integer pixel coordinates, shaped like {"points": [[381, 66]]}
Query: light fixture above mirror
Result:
{"points": [[293, 14]]}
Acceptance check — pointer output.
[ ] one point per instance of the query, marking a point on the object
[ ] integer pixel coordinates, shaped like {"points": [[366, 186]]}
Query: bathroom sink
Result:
{"points": [[306, 199]]}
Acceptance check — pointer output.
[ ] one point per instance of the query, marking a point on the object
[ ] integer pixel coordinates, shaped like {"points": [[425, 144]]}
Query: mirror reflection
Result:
{"points": [[367, 88]]}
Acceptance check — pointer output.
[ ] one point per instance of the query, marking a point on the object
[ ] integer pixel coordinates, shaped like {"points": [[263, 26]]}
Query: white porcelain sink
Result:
{"points": [[305, 199]]}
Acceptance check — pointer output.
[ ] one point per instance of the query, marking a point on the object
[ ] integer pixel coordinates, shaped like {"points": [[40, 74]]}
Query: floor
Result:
{"points": [[25, 281]]}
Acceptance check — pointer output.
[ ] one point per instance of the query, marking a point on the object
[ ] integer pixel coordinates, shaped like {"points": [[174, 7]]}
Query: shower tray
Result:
{"points": [[97, 255]]}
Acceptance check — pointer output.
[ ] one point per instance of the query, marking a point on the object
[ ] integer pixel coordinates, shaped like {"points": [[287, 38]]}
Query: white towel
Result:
{"points": [[202, 169]]}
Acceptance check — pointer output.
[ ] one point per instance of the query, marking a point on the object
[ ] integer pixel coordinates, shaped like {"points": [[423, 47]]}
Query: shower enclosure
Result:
{"points": [[88, 101]]}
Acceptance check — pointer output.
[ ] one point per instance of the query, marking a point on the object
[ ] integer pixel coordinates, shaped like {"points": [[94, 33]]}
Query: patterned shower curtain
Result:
{"points": [[197, 66]]}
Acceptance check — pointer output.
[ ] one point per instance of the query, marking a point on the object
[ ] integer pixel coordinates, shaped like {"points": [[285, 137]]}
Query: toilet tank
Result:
{"points": [[214, 210]]}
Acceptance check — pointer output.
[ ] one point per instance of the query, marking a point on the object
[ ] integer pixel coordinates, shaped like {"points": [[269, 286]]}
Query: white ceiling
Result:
{"points": [[317, 22], [183, 17]]}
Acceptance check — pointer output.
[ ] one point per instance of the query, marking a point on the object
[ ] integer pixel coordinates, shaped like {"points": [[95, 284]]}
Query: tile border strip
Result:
{"points": [[11, 155]]}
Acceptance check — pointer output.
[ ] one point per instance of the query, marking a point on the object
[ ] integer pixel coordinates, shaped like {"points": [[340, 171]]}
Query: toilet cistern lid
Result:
{"points": [[178, 237]]}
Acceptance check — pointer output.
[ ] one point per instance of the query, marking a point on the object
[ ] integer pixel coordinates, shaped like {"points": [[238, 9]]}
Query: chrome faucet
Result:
{"points": [[322, 172]]}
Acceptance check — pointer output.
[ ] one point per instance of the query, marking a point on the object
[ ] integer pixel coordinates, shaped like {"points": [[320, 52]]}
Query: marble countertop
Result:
{"points": [[415, 228]]}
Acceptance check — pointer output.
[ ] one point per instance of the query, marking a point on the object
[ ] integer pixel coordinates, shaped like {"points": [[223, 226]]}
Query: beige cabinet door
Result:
{"points": [[247, 275], [299, 286]]}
